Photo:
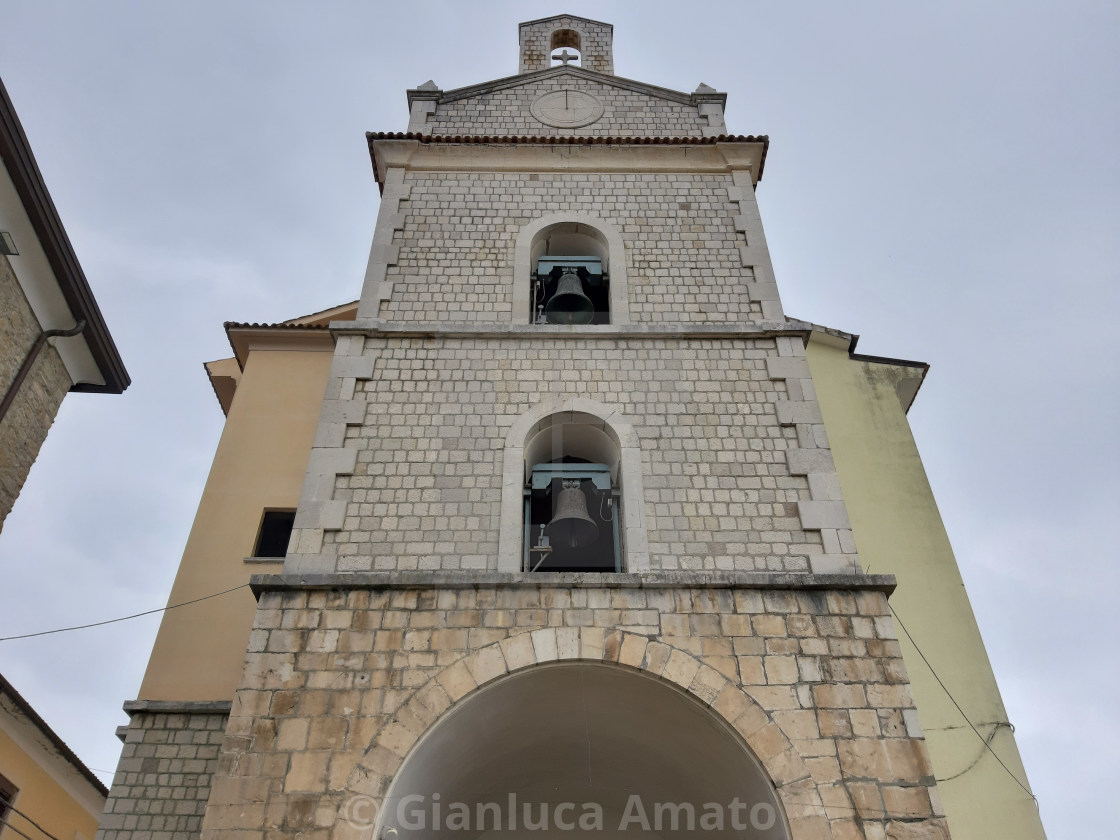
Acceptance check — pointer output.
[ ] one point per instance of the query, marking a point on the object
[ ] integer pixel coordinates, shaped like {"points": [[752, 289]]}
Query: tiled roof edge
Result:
{"points": [[67, 753], [571, 141]]}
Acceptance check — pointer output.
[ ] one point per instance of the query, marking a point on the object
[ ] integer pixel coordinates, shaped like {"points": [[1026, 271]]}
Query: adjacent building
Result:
{"points": [[53, 339], [564, 524], [45, 790]]}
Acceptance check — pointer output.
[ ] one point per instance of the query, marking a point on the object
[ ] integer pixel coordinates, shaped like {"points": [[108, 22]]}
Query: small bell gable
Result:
{"points": [[566, 39]]}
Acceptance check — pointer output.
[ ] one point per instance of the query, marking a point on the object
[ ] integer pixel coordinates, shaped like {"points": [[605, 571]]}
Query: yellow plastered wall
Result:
{"points": [[260, 464], [41, 797], [899, 531]]}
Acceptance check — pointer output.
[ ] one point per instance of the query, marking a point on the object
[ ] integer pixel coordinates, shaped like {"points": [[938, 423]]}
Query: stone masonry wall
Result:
{"points": [[340, 684], [163, 777], [455, 261], [30, 417], [426, 491], [626, 113]]}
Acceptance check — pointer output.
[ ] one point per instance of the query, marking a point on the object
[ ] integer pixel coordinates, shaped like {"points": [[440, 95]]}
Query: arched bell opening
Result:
{"points": [[631, 755], [572, 509], [570, 282], [568, 41], [571, 235]]}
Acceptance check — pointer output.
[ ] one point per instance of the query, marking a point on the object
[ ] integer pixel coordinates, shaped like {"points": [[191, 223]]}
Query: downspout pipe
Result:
{"points": [[29, 362]]}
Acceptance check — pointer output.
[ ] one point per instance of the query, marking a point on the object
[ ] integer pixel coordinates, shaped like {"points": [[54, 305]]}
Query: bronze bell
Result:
{"points": [[569, 305], [571, 526]]}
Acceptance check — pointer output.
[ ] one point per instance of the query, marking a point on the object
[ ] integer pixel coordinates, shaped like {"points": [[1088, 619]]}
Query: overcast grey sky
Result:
{"points": [[943, 179]]}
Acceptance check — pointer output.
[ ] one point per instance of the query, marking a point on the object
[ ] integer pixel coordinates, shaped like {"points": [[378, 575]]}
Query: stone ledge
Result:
{"points": [[649, 580], [180, 707], [377, 328]]}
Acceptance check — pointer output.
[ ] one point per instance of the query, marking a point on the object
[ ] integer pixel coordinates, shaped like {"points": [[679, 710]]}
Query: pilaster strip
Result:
{"points": [[422, 111], [319, 510], [754, 253], [383, 253], [712, 114]]}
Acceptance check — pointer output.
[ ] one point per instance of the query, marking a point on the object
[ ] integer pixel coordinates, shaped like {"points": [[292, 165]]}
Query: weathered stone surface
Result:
{"points": [[164, 776], [25, 426], [837, 742]]}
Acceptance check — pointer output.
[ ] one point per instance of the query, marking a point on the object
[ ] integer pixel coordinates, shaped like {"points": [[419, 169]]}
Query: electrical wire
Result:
{"points": [[6, 822], [122, 618], [985, 741], [949, 694], [996, 726]]}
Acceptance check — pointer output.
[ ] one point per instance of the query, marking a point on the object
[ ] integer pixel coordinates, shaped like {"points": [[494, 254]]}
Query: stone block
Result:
{"points": [[487, 664], [633, 651], [308, 772], [808, 461], [791, 412], [785, 367], [816, 515], [681, 669]]}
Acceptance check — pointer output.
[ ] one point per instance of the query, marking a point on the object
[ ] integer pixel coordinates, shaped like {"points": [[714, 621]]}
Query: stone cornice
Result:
{"points": [[179, 707], [551, 332], [585, 580], [565, 156]]}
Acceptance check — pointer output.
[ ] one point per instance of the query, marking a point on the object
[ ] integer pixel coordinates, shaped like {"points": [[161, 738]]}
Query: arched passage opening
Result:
{"points": [[581, 748]]}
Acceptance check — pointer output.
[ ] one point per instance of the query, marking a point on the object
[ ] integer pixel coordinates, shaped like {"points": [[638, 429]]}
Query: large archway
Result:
{"points": [[632, 755]]}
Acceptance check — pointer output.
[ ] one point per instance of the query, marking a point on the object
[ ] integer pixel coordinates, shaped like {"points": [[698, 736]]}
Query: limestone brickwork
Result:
{"points": [[454, 254], [628, 111], [425, 492], [30, 417], [340, 683], [163, 779]]}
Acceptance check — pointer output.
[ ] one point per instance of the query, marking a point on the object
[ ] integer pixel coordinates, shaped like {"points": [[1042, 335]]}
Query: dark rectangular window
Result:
{"points": [[8, 793], [276, 530]]}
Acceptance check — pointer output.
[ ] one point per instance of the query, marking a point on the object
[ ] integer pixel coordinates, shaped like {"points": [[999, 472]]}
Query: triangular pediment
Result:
{"points": [[577, 74], [516, 105]]}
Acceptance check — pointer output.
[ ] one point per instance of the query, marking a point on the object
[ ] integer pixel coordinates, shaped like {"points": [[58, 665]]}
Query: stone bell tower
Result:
{"points": [[571, 546]]}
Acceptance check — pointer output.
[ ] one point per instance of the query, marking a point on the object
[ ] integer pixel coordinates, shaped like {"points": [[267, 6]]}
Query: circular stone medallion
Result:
{"points": [[566, 108]]}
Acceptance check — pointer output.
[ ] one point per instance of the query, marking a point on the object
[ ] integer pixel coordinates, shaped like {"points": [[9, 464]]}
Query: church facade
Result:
{"points": [[563, 526]]}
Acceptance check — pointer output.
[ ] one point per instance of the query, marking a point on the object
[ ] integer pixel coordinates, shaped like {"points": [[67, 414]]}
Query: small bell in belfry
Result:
{"points": [[571, 526], [569, 305]]}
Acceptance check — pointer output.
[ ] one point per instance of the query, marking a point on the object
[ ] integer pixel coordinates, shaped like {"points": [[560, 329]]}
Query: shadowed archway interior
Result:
{"points": [[581, 733]]}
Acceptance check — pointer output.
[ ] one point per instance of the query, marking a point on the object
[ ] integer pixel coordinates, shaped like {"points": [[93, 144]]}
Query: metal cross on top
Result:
{"points": [[565, 57]]}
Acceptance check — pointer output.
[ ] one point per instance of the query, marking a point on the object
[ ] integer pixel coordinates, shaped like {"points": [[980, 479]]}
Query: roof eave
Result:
{"points": [[244, 338], [848, 341], [39, 207], [67, 753]]}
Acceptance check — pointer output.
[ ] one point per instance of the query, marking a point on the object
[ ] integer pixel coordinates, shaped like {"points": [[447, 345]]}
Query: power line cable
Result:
{"points": [[122, 618], [6, 821], [949, 694]]}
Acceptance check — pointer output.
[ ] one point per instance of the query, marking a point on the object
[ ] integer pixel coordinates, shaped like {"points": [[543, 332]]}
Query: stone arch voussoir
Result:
{"points": [[460, 681]]}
